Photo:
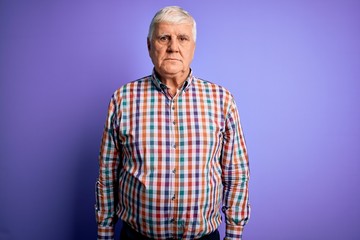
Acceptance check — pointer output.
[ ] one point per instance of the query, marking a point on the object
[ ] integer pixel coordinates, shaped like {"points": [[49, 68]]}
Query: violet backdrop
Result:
{"points": [[293, 67]]}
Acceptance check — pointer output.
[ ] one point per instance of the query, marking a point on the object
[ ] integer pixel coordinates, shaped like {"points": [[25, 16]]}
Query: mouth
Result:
{"points": [[172, 59]]}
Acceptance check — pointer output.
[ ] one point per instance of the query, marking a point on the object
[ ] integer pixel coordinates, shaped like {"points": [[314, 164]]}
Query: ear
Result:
{"points": [[148, 44]]}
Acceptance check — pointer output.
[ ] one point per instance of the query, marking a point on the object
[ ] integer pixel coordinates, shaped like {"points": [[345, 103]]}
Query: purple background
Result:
{"points": [[293, 67]]}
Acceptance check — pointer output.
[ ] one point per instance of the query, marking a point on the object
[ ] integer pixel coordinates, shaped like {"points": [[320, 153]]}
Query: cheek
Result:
{"points": [[189, 51], [155, 55], [190, 55], [159, 53]]}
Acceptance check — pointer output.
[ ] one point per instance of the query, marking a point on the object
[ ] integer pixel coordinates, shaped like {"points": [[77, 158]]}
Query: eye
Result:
{"points": [[184, 38], [164, 38]]}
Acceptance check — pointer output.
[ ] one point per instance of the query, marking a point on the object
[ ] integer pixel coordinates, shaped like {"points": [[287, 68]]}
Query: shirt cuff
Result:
{"points": [[105, 233], [233, 232]]}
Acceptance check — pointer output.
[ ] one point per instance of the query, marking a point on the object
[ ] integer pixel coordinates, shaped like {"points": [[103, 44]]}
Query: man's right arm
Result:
{"points": [[106, 186]]}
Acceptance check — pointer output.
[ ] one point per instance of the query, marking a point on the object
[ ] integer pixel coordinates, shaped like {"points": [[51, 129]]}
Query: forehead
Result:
{"points": [[173, 28]]}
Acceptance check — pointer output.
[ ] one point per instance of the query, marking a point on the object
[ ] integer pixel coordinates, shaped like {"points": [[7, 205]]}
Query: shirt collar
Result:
{"points": [[162, 87]]}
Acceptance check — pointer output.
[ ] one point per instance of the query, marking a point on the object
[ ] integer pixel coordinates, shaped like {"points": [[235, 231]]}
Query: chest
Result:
{"points": [[187, 116]]}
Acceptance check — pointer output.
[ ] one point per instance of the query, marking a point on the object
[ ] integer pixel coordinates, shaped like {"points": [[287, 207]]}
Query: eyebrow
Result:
{"points": [[169, 35], [164, 34]]}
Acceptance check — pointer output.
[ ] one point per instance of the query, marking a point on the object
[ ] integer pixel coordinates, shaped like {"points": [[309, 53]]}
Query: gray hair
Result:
{"points": [[172, 14]]}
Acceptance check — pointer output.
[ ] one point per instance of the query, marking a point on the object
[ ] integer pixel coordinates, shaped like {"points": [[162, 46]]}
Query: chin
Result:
{"points": [[172, 70]]}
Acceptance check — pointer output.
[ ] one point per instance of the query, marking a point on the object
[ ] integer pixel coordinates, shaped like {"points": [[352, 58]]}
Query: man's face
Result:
{"points": [[172, 48]]}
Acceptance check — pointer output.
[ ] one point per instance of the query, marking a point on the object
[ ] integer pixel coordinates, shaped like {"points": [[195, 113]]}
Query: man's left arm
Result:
{"points": [[235, 175]]}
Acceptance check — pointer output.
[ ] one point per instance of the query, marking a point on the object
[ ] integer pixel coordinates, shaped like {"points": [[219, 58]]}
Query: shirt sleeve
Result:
{"points": [[106, 185], [235, 176]]}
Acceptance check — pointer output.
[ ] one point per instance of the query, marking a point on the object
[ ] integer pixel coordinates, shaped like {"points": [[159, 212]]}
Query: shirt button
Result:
{"points": [[174, 145], [174, 171], [173, 197], [174, 122]]}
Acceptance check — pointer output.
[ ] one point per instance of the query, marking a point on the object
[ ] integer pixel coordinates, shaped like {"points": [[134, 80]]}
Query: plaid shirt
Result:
{"points": [[168, 164]]}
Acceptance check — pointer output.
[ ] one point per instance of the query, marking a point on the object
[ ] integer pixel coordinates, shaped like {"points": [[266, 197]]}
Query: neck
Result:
{"points": [[174, 81]]}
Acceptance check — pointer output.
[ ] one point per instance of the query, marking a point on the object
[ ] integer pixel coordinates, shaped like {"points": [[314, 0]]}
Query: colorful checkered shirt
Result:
{"points": [[169, 164]]}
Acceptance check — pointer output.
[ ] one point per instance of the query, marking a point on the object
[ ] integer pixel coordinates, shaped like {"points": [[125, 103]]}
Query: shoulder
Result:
{"points": [[138, 83], [209, 86], [131, 88]]}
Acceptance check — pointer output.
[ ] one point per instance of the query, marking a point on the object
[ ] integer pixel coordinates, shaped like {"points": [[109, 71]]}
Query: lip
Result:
{"points": [[172, 59]]}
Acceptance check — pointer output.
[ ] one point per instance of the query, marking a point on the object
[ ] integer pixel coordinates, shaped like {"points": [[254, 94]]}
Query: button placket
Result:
{"points": [[172, 195]]}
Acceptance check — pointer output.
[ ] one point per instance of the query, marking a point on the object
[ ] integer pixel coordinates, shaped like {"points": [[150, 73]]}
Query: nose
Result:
{"points": [[173, 45]]}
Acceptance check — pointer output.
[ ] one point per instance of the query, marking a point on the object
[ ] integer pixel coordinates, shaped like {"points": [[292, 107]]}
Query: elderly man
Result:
{"points": [[173, 152]]}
